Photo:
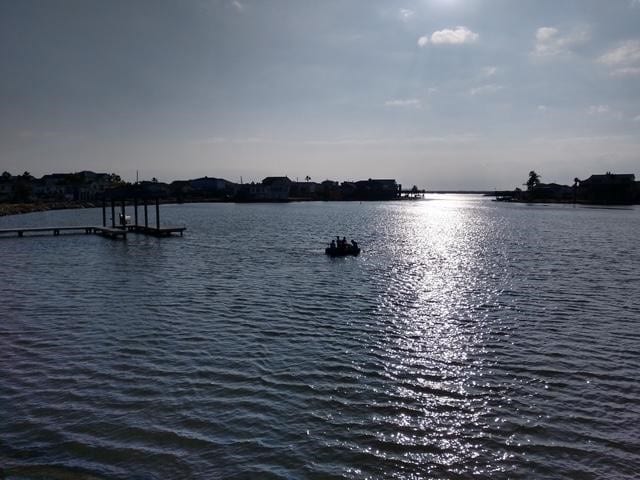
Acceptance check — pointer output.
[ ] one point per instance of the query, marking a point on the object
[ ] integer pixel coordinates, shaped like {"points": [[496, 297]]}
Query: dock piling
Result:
{"points": [[157, 213]]}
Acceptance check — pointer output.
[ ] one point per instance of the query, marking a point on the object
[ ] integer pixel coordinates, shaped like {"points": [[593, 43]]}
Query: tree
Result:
{"points": [[6, 175], [307, 178], [115, 178], [534, 180]]}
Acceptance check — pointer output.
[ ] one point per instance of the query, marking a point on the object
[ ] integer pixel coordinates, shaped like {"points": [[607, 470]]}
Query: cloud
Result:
{"points": [[404, 103], [406, 14], [423, 41], [486, 89], [626, 72], [598, 109], [604, 110], [549, 41], [625, 54], [457, 36], [238, 6], [624, 59], [637, 119], [634, 3], [489, 71], [542, 108]]}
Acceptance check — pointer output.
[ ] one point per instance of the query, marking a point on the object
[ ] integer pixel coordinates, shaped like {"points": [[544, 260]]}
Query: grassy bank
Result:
{"points": [[18, 208]]}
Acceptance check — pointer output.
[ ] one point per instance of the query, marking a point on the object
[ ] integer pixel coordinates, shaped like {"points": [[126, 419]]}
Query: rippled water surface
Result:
{"points": [[469, 339]]}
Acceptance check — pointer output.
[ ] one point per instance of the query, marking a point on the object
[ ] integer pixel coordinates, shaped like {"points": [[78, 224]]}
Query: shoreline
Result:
{"points": [[7, 209]]}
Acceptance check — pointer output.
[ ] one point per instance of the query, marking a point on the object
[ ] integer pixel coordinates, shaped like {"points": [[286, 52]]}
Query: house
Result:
{"points": [[271, 189], [91, 185], [208, 185], [6, 187], [330, 190], [153, 189], [278, 187], [376, 189], [552, 192], [304, 190], [79, 186], [53, 186], [610, 188]]}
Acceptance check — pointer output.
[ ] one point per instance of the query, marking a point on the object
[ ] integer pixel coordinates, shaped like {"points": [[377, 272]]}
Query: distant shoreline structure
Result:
{"points": [[74, 188], [599, 189], [25, 193]]}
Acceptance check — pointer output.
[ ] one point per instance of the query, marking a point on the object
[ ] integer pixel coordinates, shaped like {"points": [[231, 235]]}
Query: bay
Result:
{"points": [[469, 339]]}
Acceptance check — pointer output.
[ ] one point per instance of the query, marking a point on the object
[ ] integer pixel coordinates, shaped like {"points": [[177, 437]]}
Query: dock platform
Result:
{"points": [[163, 231], [110, 232], [20, 231]]}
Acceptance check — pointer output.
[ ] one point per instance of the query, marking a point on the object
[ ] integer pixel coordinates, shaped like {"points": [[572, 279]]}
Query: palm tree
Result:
{"points": [[534, 180], [576, 184]]}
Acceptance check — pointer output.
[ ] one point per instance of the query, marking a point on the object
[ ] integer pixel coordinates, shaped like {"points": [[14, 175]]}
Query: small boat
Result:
{"points": [[342, 250]]}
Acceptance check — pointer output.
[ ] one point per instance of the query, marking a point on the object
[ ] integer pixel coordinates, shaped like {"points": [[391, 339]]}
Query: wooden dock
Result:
{"points": [[110, 232], [116, 230], [87, 229], [164, 231]]}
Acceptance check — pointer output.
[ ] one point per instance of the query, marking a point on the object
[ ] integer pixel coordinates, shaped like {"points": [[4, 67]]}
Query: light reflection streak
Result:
{"points": [[434, 304]]}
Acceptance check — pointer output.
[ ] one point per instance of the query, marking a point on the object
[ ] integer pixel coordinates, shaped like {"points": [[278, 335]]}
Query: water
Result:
{"points": [[469, 339]]}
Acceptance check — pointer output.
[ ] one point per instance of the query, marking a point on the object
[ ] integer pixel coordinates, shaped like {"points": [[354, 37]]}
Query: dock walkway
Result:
{"points": [[118, 232], [20, 231]]}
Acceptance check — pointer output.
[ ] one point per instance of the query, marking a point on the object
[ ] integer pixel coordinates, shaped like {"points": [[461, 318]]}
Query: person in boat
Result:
{"points": [[354, 244], [332, 245]]}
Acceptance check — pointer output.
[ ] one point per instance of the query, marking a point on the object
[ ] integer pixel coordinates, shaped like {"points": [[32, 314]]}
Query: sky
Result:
{"points": [[442, 94]]}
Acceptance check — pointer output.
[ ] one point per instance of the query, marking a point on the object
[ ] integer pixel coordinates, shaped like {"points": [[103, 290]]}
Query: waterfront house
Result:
{"points": [[53, 186], [610, 188], [304, 190], [208, 185], [330, 190], [79, 186], [6, 187], [377, 189], [553, 192], [278, 187]]}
